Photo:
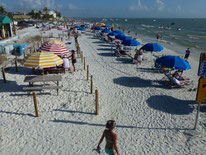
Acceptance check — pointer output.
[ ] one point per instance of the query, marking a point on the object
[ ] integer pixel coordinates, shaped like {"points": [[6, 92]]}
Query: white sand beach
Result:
{"points": [[151, 117]]}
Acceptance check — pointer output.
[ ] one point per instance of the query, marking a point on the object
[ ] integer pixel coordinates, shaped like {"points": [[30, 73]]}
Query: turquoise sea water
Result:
{"points": [[184, 32]]}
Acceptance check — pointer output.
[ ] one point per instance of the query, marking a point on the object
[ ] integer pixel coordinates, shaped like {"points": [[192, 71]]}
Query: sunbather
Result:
{"points": [[178, 75], [180, 82], [138, 57]]}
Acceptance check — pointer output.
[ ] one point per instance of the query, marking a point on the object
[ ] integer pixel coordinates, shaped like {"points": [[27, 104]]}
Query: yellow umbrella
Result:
{"points": [[42, 60], [56, 42], [101, 24]]}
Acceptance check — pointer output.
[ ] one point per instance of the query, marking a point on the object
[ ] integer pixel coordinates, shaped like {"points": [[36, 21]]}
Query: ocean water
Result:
{"points": [[183, 32]]}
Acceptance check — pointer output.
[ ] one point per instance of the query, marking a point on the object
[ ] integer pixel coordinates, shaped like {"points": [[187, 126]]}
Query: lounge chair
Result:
{"points": [[174, 83]]}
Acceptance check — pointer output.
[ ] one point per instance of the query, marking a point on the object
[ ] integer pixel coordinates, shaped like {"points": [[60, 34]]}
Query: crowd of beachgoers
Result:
{"points": [[146, 102]]}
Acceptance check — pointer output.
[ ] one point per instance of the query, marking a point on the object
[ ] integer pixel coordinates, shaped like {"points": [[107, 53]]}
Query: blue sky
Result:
{"points": [[114, 8]]}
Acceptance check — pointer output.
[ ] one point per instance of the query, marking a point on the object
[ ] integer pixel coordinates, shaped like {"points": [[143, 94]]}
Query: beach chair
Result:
{"points": [[174, 84]]}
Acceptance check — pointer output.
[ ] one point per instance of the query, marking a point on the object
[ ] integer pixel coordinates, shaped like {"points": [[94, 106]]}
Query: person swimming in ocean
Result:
{"points": [[111, 139]]}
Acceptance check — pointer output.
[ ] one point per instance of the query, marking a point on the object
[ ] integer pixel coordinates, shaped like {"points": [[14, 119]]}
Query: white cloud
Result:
{"points": [[160, 5], [137, 5], [37, 4]]}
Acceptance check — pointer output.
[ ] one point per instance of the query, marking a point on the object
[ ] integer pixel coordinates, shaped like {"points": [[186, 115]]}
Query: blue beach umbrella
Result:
{"points": [[98, 28], [106, 31], [112, 34], [78, 27], [130, 42], [122, 37], [106, 26], [118, 31], [152, 47], [173, 62]]}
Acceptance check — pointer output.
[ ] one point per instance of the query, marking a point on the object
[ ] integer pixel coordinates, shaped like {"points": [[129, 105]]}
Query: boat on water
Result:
{"points": [[125, 20], [160, 27], [179, 29]]}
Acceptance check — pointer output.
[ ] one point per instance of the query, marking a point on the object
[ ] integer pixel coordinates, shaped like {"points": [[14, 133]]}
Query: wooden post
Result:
{"points": [[35, 104], [97, 101], [37, 44], [91, 87], [81, 57], [3, 74], [15, 52], [16, 65], [30, 49], [87, 72], [84, 64]]}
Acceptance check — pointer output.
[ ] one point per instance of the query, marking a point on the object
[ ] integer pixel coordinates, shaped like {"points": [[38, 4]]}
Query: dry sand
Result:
{"points": [[151, 117]]}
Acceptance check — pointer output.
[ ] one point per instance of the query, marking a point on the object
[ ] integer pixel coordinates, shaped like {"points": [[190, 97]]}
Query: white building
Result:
{"points": [[51, 12]]}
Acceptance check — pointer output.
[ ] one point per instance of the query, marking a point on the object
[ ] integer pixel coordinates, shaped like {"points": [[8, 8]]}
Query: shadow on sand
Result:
{"points": [[139, 82], [118, 126], [107, 54], [151, 70], [124, 60], [105, 45], [10, 86], [21, 70], [104, 49], [98, 42], [171, 105], [73, 112], [15, 113]]}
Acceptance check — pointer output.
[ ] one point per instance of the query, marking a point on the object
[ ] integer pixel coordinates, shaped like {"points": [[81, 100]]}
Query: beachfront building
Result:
{"points": [[50, 12], [53, 13], [5, 27]]}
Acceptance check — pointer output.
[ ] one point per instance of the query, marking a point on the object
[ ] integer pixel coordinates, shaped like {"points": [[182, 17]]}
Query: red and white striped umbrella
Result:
{"points": [[54, 48]]}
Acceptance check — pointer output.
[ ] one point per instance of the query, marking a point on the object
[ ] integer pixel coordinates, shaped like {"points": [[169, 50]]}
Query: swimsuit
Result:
{"points": [[107, 150]]}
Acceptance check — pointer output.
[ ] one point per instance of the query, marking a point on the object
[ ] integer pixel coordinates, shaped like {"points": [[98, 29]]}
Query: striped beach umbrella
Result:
{"points": [[42, 60], [54, 48], [56, 42]]}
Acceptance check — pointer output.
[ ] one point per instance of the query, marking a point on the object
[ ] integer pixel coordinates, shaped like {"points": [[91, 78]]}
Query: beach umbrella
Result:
{"points": [[106, 26], [112, 34], [106, 31], [98, 28], [42, 60], [56, 42], [54, 48], [118, 31], [130, 42], [122, 37], [173, 62], [101, 24], [80, 28], [152, 47]]}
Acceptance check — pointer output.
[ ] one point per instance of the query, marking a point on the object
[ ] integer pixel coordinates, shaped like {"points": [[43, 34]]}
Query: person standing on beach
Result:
{"points": [[68, 35], [187, 54], [111, 139], [158, 36], [73, 58]]}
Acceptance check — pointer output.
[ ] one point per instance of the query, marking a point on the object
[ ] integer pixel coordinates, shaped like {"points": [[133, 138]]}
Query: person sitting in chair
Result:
{"points": [[180, 82]]}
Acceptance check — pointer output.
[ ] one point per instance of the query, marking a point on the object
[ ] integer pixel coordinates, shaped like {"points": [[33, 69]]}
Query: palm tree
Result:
{"points": [[46, 10], [2, 10]]}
